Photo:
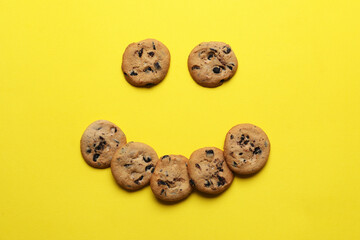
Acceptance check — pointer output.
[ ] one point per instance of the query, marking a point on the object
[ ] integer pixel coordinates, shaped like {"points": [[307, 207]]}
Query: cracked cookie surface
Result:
{"points": [[133, 164], [145, 63], [99, 142], [212, 63], [170, 181], [246, 149], [208, 171]]}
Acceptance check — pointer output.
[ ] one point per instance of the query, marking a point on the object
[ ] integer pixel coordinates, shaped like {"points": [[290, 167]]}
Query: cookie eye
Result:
{"points": [[216, 70], [195, 67]]}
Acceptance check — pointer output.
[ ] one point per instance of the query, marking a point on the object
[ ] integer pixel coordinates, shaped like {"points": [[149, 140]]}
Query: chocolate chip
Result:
{"points": [[213, 49], [125, 73], [148, 159], [148, 69], [198, 166], [240, 153], [231, 136], [95, 157], [140, 52], [99, 128], [133, 73], [257, 151], [247, 136], [234, 164], [226, 50], [157, 65], [139, 179], [252, 144], [210, 56], [221, 181], [230, 67], [216, 70], [151, 54], [115, 129], [192, 182], [161, 182], [162, 191], [152, 170], [148, 167], [153, 45], [246, 142], [244, 160], [116, 141], [165, 156], [88, 150], [101, 138], [207, 183], [195, 67], [127, 165], [241, 139], [222, 67], [209, 153]]}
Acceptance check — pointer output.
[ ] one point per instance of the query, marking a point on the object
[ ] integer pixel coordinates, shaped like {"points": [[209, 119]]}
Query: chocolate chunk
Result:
{"points": [[221, 181], [252, 144], [207, 183], [230, 67], [216, 70], [226, 50], [153, 45], [257, 151], [151, 54], [234, 164], [198, 166], [241, 139], [247, 136], [140, 52], [148, 167], [195, 67], [137, 181], [101, 138], [148, 69], [192, 182], [231, 136], [115, 129], [152, 170], [148, 159], [210, 56], [88, 150], [246, 142], [213, 49], [133, 73], [209, 153], [162, 191], [95, 157], [240, 153], [157, 65], [161, 182], [125, 73]]}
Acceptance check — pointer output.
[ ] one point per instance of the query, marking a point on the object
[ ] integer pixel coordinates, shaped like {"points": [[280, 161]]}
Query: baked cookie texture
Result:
{"points": [[208, 171], [246, 149], [170, 181], [145, 63], [133, 164], [212, 63], [99, 142]]}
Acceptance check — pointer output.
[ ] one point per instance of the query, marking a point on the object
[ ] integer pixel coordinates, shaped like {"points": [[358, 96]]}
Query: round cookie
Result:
{"points": [[99, 142], [246, 149], [133, 164], [170, 181], [208, 171], [145, 63], [212, 63]]}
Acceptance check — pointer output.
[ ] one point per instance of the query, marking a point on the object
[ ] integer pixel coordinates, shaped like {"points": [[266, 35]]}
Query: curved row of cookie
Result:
{"points": [[172, 177], [147, 62]]}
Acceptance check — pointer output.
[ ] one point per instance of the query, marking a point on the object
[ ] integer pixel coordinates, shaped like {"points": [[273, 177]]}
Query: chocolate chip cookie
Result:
{"points": [[246, 149], [99, 142], [145, 63], [212, 63], [133, 164], [170, 181], [208, 171]]}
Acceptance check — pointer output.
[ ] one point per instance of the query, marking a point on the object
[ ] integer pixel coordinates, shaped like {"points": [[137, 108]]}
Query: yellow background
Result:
{"points": [[298, 79]]}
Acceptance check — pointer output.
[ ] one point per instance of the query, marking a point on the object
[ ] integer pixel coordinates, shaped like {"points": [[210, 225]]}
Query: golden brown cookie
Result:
{"points": [[170, 181], [133, 164], [208, 171], [246, 149], [146, 63], [99, 142], [212, 63]]}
